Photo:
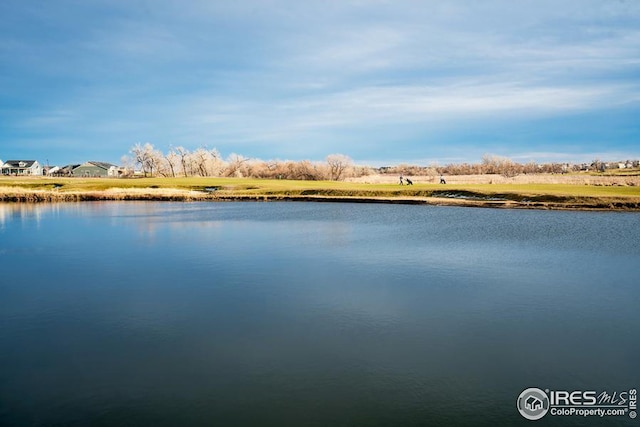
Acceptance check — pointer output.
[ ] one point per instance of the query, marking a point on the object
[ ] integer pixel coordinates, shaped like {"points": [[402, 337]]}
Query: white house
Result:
{"points": [[22, 167]]}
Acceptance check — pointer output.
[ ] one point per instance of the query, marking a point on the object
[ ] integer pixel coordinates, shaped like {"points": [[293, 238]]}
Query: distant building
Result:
{"points": [[22, 167], [96, 170], [64, 171], [51, 171], [46, 170]]}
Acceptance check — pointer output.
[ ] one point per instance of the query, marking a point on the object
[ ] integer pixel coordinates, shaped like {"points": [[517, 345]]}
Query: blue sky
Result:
{"points": [[384, 82]]}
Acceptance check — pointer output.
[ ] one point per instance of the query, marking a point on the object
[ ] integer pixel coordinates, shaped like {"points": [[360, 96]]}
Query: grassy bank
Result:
{"points": [[531, 195]]}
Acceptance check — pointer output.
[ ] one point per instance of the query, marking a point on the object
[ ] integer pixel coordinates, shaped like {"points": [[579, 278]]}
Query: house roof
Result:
{"points": [[20, 163], [101, 165]]}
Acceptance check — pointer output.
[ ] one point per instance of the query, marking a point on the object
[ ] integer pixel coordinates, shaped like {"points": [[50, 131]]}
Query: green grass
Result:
{"points": [[568, 196], [269, 187]]}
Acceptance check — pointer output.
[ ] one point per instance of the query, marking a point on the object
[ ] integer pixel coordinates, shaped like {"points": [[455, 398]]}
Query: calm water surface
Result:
{"points": [[310, 314]]}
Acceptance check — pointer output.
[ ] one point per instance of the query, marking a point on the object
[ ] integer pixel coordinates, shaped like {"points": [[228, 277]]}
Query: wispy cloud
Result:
{"points": [[290, 78], [401, 105]]}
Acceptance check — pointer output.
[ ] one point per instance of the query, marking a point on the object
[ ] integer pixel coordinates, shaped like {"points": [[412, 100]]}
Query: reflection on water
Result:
{"points": [[19, 211], [309, 314]]}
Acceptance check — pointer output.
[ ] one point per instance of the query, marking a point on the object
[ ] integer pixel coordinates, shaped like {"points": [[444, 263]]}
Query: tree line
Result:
{"points": [[490, 165], [205, 162]]}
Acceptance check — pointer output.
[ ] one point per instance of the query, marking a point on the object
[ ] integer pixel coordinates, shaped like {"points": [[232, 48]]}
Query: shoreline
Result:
{"points": [[25, 196], [564, 193]]}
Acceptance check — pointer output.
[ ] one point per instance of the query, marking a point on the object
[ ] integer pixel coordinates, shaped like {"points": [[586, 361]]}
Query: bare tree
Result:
{"points": [[235, 163], [139, 156], [128, 164], [183, 155], [338, 165], [199, 160], [147, 157], [155, 159], [215, 164], [172, 160], [205, 162], [492, 164], [598, 165]]}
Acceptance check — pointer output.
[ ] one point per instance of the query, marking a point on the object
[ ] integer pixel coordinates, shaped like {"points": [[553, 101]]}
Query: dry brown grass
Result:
{"points": [[525, 191], [17, 194], [569, 179]]}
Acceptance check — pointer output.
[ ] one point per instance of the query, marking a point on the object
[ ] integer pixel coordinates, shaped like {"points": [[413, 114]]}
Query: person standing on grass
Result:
{"points": [[401, 181], [442, 181]]}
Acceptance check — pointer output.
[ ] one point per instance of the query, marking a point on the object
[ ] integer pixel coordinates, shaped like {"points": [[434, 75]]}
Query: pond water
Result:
{"points": [[310, 314]]}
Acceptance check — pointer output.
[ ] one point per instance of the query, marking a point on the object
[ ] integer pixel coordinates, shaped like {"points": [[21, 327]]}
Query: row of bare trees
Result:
{"points": [[180, 162], [490, 164]]}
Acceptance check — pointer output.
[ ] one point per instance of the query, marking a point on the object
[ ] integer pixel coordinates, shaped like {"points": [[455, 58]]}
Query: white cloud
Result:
{"points": [[283, 72], [397, 105]]}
